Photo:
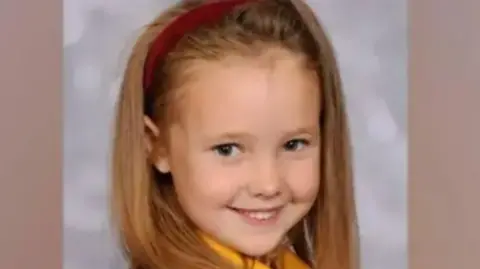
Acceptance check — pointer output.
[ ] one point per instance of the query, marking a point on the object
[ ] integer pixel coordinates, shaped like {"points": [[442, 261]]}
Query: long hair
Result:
{"points": [[153, 229]]}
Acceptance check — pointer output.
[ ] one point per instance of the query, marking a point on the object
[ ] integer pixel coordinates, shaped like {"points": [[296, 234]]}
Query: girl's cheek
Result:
{"points": [[303, 179], [220, 180]]}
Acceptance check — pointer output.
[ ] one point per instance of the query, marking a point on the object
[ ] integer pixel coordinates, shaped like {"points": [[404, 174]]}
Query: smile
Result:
{"points": [[259, 216]]}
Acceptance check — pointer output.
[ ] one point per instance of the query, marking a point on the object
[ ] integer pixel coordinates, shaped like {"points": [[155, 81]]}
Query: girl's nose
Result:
{"points": [[266, 181]]}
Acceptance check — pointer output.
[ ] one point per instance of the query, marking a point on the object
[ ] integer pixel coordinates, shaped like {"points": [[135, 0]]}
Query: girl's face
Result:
{"points": [[244, 154]]}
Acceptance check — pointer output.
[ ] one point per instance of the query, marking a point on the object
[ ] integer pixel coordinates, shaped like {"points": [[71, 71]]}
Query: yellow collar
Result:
{"points": [[291, 260]]}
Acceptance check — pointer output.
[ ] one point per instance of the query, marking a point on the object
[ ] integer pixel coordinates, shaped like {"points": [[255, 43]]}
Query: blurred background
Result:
{"points": [[370, 37]]}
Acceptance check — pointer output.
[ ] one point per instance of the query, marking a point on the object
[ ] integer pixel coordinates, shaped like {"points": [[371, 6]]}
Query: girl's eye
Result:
{"points": [[227, 150], [295, 144]]}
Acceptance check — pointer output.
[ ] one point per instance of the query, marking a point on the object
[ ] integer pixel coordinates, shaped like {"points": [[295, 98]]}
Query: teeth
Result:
{"points": [[260, 215]]}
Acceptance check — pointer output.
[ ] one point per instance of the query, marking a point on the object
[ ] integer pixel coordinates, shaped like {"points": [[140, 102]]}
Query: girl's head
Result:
{"points": [[236, 132]]}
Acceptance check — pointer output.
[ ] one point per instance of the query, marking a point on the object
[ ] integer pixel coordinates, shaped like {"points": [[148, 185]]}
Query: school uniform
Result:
{"points": [[290, 259]]}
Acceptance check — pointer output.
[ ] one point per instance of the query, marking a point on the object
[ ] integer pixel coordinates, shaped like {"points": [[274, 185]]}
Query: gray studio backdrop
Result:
{"points": [[371, 42]]}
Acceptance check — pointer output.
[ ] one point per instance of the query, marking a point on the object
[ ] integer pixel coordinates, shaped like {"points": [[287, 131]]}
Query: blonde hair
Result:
{"points": [[154, 231]]}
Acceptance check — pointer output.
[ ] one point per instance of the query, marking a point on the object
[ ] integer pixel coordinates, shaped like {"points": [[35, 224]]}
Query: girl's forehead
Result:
{"points": [[248, 93]]}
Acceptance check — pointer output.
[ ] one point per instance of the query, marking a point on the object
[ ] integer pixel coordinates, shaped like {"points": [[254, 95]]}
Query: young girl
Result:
{"points": [[231, 146]]}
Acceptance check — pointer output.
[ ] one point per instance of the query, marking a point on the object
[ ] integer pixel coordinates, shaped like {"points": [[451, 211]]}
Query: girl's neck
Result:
{"points": [[284, 259]]}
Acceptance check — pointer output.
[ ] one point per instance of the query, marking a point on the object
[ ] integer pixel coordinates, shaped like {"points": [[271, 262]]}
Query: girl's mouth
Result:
{"points": [[267, 216]]}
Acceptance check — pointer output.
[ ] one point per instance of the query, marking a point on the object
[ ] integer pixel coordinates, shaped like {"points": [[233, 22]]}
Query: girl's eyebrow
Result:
{"points": [[311, 130], [244, 136], [230, 136]]}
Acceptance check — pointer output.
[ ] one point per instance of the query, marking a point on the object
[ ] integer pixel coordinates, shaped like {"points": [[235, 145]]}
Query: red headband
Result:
{"points": [[167, 39]]}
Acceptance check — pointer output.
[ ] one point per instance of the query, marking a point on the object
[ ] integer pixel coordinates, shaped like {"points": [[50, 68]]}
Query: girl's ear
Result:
{"points": [[158, 156], [151, 133]]}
